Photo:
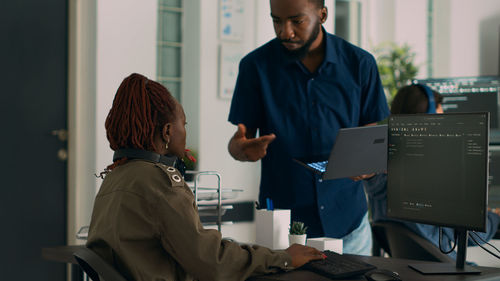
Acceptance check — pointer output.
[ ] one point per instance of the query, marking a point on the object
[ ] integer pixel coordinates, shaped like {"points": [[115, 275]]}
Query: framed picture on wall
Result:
{"points": [[231, 20], [230, 55]]}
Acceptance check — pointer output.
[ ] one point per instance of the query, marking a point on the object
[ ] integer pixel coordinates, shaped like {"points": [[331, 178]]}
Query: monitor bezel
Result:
{"points": [[484, 198]]}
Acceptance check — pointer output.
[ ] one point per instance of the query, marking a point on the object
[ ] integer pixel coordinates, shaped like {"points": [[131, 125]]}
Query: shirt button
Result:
{"points": [[322, 207]]}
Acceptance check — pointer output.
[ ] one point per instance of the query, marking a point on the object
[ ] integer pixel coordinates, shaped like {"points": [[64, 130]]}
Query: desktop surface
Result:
{"points": [[64, 254], [396, 265]]}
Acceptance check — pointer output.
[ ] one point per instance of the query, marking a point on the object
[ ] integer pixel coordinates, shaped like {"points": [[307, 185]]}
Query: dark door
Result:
{"points": [[33, 83]]}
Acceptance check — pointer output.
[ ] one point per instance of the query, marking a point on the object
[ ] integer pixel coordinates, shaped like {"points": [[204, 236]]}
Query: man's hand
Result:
{"points": [[495, 210], [362, 177], [367, 176], [248, 149], [303, 254]]}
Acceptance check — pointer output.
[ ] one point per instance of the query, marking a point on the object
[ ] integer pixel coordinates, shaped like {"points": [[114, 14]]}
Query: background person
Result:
{"points": [[145, 220], [409, 100], [298, 90]]}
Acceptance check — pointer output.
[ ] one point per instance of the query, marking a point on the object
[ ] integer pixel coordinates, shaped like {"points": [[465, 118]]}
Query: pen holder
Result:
{"points": [[272, 228]]}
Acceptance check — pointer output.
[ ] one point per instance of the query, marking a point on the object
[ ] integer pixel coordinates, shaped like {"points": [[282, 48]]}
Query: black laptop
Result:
{"points": [[357, 151]]}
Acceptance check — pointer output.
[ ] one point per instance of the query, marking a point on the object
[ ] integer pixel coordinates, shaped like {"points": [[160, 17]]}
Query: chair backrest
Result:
{"points": [[380, 243], [95, 267], [404, 243]]}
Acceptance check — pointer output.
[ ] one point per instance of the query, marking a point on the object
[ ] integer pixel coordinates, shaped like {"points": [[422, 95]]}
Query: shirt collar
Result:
{"points": [[330, 50]]}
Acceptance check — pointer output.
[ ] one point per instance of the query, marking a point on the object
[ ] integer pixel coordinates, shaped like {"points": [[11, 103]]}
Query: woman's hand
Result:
{"points": [[303, 254]]}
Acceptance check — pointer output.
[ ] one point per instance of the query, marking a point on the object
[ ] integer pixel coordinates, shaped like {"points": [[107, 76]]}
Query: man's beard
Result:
{"points": [[301, 52]]}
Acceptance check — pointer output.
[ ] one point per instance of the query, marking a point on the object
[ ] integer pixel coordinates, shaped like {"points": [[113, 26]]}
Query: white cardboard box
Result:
{"points": [[326, 243], [272, 228]]}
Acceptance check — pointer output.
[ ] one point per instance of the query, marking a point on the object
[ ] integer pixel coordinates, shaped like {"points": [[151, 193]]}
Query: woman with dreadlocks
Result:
{"points": [[145, 221]]}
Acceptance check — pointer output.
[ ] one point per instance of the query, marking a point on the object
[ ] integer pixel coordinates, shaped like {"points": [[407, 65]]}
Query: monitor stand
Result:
{"points": [[449, 268]]}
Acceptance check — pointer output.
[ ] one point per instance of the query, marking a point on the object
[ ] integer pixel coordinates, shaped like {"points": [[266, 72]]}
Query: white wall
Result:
{"points": [[465, 33], [126, 43], [108, 41], [471, 29], [402, 22]]}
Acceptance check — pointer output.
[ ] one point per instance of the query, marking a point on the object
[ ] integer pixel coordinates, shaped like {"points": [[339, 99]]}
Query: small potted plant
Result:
{"points": [[297, 233]]}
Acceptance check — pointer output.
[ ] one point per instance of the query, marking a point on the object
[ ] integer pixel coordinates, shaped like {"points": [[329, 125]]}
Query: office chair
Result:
{"points": [[400, 242], [95, 267], [380, 243]]}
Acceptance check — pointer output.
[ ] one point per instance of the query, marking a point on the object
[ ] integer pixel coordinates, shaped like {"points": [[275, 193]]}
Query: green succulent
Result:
{"points": [[396, 66], [298, 228]]}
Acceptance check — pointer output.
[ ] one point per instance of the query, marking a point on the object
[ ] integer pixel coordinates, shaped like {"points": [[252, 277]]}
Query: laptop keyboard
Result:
{"points": [[320, 166], [337, 266]]}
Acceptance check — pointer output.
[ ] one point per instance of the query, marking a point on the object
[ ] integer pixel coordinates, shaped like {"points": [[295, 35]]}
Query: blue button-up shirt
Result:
{"points": [[277, 94]]}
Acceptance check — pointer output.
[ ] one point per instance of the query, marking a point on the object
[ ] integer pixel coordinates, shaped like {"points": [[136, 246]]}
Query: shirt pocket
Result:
{"points": [[338, 103]]}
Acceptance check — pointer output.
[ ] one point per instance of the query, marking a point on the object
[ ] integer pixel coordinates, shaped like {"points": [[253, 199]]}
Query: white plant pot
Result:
{"points": [[297, 239]]}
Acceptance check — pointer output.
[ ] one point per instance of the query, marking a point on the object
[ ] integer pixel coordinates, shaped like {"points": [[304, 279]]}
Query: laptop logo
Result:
{"points": [[376, 141]]}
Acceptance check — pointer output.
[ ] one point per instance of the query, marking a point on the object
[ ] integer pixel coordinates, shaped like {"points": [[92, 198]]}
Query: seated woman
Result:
{"points": [[145, 221], [413, 99]]}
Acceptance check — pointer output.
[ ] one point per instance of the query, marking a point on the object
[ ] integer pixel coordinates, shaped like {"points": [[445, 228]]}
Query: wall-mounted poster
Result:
{"points": [[231, 20], [229, 59]]}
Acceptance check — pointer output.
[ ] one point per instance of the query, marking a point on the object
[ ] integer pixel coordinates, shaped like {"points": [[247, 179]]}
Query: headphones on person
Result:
{"points": [[132, 153], [430, 97]]}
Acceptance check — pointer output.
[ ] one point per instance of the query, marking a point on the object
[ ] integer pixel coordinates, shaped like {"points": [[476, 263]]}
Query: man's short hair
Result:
{"points": [[318, 3]]}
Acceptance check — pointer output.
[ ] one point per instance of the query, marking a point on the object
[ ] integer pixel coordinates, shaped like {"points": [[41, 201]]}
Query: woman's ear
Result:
{"points": [[165, 132]]}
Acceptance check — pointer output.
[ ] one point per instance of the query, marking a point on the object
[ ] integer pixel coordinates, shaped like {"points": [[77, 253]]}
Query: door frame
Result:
{"points": [[82, 81]]}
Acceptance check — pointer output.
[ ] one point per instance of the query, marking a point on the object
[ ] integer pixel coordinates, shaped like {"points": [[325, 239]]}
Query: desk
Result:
{"points": [[398, 265], [65, 254]]}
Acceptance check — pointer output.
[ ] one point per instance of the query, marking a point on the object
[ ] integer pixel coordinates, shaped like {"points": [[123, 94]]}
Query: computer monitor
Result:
{"points": [[494, 178], [438, 174], [470, 94]]}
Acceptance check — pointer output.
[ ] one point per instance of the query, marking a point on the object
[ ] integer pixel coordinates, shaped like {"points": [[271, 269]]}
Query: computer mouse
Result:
{"points": [[382, 275]]}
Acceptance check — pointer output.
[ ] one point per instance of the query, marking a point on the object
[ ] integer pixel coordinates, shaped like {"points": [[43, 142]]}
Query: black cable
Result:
{"points": [[485, 242], [440, 238], [490, 252]]}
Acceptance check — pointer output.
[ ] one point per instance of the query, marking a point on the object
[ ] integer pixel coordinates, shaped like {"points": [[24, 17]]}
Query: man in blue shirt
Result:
{"points": [[298, 90]]}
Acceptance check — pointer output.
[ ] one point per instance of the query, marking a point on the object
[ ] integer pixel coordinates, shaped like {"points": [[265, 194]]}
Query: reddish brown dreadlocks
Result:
{"points": [[140, 109]]}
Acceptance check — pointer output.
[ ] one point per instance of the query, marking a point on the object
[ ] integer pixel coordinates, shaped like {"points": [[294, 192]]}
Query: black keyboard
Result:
{"points": [[337, 266]]}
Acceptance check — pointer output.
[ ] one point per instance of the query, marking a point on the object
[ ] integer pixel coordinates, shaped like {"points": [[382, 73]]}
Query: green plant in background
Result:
{"points": [[396, 66], [297, 228]]}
